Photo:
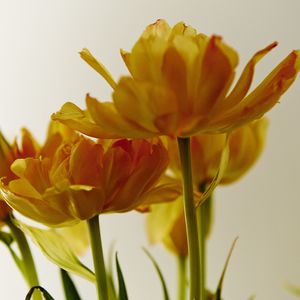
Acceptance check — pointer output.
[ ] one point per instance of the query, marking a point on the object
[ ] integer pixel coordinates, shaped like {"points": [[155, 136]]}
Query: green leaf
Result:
{"points": [[219, 174], [69, 287], [122, 286], [57, 250], [6, 238], [112, 295], [46, 295], [220, 285], [294, 289], [160, 275]]}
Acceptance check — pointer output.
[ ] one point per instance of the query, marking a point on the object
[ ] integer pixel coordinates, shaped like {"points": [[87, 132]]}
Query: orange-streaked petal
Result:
{"points": [[243, 84], [34, 171], [85, 165], [30, 147], [217, 72], [264, 97]]}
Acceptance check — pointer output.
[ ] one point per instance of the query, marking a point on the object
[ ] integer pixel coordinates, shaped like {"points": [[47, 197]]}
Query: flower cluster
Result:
{"points": [[118, 156]]}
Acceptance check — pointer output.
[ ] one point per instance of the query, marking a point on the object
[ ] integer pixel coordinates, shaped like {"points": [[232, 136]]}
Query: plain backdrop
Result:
{"points": [[40, 69]]}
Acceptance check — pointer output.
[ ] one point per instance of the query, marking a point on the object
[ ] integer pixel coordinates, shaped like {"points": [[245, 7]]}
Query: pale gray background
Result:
{"points": [[40, 69]]}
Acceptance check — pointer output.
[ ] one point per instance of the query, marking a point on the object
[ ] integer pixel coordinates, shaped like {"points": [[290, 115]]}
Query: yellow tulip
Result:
{"points": [[165, 222], [179, 86], [245, 146], [85, 178]]}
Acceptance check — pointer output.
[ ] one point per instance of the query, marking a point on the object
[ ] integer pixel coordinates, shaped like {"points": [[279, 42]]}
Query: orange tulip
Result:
{"points": [[179, 86], [85, 178], [28, 147]]}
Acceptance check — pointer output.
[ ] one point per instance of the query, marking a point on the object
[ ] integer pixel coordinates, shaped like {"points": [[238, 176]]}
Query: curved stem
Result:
{"points": [[181, 260], [190, 218], [28, 265], [97, 251]]}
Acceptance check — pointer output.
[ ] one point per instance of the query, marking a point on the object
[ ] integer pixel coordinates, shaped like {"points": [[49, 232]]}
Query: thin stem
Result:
{"points": [[27, 259], [204, 219], [202, 245], [97, 251], [190, 218], [181, 260]]}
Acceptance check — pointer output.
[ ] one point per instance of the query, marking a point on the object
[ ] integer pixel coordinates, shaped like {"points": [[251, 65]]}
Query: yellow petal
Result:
{"points": [[76, 236], [77, 119], [87, 56], [243, 84], [265, 96], [162, 218], [106, 117], [217, 71], [150, 108], [33, 208]]}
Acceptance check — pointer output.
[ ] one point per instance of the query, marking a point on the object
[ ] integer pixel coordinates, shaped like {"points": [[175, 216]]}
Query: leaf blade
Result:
{"points": [[160, 275], [69, 287], [122, 286]]}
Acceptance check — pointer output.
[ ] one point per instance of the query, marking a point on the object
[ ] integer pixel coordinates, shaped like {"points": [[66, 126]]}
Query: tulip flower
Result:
{"points": [[179, 86], [84, 179]]}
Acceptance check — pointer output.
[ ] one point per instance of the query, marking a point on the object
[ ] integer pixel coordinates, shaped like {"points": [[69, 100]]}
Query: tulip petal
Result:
{"points": [[77, 119], [162, 218], [243, 84], [264, 97], [87, 56], [140, 181], [217, 72], [76, 236], [107, 117], [157, 104], [33, 208], [86, 169]]}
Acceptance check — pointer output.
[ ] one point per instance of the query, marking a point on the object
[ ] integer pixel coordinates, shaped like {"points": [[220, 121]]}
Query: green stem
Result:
{"points": [[204, 220], [28, 265], [97, 251], [181, 277], [190, 218], [202, 245]]}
